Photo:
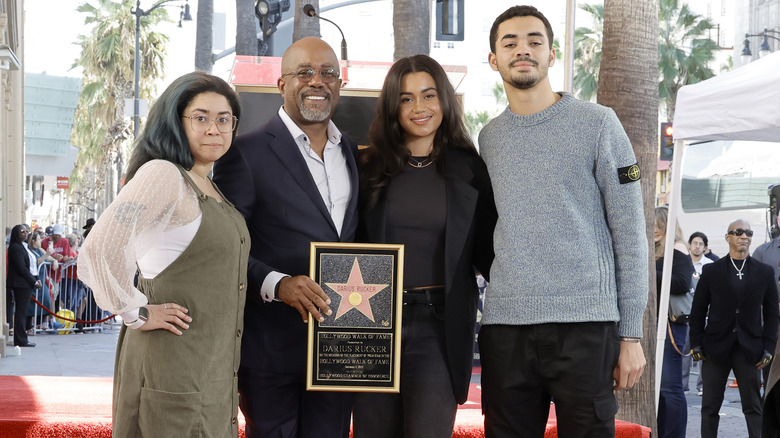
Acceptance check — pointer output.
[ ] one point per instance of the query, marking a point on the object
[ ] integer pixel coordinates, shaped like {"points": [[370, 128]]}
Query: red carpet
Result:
{"points": [[80, 407]]}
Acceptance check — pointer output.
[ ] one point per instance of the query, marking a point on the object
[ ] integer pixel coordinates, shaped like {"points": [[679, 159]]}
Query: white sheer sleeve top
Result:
{"points": [[150, 223]]}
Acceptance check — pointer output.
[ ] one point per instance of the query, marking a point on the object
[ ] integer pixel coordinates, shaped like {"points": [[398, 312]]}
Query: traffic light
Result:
{"points": [[667, 141]]}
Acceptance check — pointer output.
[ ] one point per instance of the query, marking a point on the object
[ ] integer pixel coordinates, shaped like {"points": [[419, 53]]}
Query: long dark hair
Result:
{"points": [[388, 154], [163, 136], [15, 238]]}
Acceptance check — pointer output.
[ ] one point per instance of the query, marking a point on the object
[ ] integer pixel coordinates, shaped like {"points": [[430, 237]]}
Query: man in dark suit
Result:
{"points": [[734, 322], [295, 181]]}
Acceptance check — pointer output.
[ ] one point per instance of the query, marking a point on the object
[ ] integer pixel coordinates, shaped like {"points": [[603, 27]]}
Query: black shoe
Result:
{"points": [[28, 344]]}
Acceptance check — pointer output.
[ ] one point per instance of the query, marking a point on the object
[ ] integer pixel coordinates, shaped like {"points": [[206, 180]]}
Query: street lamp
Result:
{"points": [[764, 50], [138, 12]]}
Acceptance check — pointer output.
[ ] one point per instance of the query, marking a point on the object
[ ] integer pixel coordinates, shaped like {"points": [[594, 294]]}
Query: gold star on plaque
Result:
{"points": [[355, 293]]}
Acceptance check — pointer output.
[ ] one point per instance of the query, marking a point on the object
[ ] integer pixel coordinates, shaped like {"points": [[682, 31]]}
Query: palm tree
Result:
{"points": [[680, 64], [683, 47], [246, 34], [304, 26], [204, 41], [629, 85], [101, 130], [411, 28], [476, 120], [587, 53]]}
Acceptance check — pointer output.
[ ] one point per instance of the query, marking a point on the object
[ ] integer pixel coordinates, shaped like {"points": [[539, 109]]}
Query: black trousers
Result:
{"points": [[277, 405], [426, 406], [525, 367], [21, 302], [714, 378]]}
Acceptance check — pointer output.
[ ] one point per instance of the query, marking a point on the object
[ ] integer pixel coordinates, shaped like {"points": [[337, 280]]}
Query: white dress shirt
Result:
{"points": [[330, 173]]}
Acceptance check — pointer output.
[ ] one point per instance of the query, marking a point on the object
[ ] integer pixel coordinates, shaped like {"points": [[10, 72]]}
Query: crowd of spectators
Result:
{"points": [[52, 261]]}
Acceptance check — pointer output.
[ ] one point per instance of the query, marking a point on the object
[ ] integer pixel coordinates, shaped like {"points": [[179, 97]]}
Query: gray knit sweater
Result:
{"points": [[570, 239]]}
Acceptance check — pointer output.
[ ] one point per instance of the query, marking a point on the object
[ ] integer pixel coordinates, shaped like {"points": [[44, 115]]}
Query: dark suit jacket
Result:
{"points": [[266, 178], [19, 274], [750, 319], [471, 217]]}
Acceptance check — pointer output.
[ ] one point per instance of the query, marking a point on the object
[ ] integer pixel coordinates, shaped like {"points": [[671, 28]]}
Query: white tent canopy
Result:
{"points": [[743, 104]]}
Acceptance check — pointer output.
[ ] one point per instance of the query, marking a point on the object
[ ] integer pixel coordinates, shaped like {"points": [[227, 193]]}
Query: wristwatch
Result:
{"points": [[143, 313]]}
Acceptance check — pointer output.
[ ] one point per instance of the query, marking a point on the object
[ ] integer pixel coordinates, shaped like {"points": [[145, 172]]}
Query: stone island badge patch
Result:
{"points": [[629, 174]]}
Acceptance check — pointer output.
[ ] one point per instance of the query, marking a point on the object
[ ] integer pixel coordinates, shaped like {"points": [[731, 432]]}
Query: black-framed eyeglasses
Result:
{"points": [[224, 123], [327, 75], [739, 231]]}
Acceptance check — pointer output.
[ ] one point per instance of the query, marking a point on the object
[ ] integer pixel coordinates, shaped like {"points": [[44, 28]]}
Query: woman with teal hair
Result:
{"points": [[179, 348]]}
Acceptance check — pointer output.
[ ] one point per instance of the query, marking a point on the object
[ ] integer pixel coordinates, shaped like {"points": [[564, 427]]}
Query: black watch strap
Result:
{"points": [[143, 313]]}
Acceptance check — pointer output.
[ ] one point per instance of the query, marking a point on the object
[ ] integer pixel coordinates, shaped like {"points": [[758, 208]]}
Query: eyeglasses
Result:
{"points": [[739, 231], [225, 123], [24, 231], [327, 75]]}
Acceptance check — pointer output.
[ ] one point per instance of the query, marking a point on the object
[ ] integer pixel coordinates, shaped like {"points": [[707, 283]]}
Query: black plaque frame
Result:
{"points": [[357, 348]]}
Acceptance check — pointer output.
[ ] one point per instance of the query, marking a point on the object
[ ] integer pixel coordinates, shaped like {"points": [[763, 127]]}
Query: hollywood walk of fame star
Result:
{"points": [[355, 293]]}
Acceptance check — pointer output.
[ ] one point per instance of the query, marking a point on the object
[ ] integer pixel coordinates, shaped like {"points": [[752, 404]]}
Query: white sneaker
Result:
{"points": [[699, 393]]}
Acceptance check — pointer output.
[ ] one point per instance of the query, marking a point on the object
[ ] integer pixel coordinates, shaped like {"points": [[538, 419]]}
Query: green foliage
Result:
{"points": [[587, 54], [476, 120], [100, 128], [500, 94], [684, 51]]}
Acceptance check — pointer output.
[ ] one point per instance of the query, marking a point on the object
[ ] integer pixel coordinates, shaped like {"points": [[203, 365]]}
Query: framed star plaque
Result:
{"points": [[357, 348]]}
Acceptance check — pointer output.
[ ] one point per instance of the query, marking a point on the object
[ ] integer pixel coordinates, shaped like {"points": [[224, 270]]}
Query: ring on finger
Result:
{"points": [[165, 306]]}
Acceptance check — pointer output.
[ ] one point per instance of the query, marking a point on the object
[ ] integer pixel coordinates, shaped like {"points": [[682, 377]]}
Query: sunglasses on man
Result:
{"points": [[739, 231]]}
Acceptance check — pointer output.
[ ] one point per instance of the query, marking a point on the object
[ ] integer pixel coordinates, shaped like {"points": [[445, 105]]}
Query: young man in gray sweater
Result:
{"points": [[563, 312]]}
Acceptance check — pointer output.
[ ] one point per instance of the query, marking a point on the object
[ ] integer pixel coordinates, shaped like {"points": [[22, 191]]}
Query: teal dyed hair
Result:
{"points": [[163, 136]]}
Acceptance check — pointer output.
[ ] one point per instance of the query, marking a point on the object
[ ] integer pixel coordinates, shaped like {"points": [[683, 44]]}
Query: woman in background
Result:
{"points": [[179, 348], [45, 263], [672, 405], [22, 278], [423, 185]]}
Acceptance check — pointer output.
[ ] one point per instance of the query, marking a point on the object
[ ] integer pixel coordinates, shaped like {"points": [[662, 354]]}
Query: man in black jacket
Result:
{"points": [[740, 332]]}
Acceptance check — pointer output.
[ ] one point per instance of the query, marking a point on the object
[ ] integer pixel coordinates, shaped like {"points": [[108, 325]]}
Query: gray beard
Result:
{"points": [[314, 116]]}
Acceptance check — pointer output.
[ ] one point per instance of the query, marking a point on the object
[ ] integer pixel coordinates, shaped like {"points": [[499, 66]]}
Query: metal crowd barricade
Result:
{"points": [[65, 295]]}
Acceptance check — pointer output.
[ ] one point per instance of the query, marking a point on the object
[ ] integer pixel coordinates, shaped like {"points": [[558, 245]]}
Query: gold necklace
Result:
{"points": [[419, 164]]}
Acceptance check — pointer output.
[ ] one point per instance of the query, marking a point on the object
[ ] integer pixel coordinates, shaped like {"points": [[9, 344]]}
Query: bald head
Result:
{"points": [[739, 223], [304, 50]]}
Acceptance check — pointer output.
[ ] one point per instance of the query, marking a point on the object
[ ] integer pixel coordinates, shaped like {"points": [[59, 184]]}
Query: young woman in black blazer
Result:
{"points": [[21, 280], [423, 185]]}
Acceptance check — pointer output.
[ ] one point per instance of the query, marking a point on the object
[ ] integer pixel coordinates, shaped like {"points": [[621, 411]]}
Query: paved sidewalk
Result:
{"points": [[732, 421], [92, 355]]}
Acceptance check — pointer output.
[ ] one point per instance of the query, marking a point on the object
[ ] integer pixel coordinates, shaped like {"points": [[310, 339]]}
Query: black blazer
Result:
{"points": [[471, 218], [734, 318], [19, 274], [264, 175]]}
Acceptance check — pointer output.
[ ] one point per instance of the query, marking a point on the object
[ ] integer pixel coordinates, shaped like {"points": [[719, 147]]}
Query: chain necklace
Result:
{"points": [[419, 164], [193, 173], [739, 270]]}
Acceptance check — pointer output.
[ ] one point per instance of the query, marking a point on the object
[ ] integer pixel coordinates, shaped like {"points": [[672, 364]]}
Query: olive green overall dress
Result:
{"points": [[186, 386]]}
